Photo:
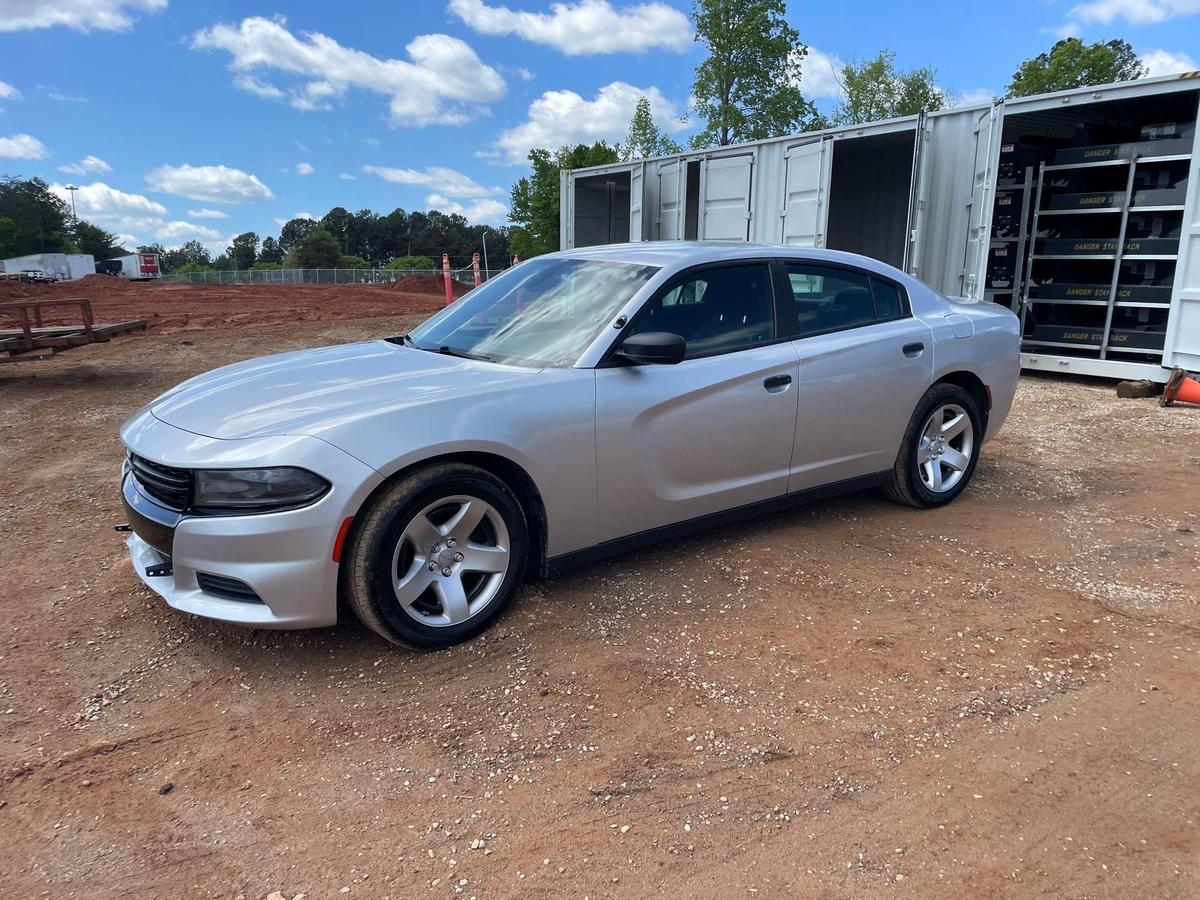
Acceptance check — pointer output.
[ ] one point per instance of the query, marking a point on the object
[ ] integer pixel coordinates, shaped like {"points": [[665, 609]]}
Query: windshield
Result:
{"points": [[542, 312]]}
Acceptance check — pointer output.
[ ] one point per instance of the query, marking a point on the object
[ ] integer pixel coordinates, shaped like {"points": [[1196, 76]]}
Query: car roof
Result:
{"points": [[681, 254]]}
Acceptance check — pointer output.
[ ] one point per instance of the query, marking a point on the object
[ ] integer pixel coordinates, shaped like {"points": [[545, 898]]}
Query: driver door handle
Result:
{"points": [[777, 383]]}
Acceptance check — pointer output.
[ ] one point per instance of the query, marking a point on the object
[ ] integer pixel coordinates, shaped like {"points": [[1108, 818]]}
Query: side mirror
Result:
{"points": [[654, 348]]}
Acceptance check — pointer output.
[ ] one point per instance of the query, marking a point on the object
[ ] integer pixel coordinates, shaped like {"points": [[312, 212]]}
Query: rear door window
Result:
{"points": [[830, 298]]}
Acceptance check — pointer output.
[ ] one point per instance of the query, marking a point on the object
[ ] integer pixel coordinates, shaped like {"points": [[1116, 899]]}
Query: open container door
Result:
{"points": [[605, 205], [805, 185], [917, 198], [979, 204], [725, 192], [670, 200], [637, 196], [1182, 344]]}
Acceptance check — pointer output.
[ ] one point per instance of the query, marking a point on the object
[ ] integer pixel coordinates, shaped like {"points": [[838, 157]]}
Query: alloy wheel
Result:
{"points": [[450, 560], [947, 442]]}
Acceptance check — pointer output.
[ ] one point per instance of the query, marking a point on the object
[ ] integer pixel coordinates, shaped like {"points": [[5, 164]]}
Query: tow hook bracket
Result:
{"points": [[158, 570], [123, 527]]}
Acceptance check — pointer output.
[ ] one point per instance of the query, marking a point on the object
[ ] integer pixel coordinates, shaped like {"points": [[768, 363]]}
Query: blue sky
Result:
{"points": [[205, 119]]}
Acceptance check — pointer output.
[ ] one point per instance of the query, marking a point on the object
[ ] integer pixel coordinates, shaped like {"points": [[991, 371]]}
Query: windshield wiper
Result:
{"points": [[447, 350]]}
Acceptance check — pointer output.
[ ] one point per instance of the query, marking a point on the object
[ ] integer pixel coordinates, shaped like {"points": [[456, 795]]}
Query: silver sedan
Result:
{"points": [[581, 404]]}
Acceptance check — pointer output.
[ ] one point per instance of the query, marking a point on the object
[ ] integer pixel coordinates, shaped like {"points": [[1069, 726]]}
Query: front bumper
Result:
{"points": [[284, 558]]}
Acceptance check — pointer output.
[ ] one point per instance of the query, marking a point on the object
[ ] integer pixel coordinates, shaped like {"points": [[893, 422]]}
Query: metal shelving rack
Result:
{"points": [[1025, 186], [1118, 256]]}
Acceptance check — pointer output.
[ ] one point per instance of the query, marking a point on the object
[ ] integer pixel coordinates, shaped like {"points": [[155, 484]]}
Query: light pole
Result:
{"points": [[72, 188]]}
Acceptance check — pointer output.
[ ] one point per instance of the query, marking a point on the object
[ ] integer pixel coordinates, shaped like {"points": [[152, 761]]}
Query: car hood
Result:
{"points": [[314, 391]]}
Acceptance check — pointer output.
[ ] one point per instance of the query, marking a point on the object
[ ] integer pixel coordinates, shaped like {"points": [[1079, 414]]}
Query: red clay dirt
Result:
{"points": [[195, 307], [851, 699]]}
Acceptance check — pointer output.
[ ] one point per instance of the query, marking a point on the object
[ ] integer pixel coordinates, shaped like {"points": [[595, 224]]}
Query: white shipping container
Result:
{"points": [[134, 266], [921, 193]]}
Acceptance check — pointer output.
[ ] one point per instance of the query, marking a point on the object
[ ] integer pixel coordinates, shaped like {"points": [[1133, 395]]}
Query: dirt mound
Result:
{"points": [[428, 284]]}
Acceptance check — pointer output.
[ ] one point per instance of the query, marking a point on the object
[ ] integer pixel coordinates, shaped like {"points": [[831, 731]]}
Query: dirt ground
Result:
{"points": [[169, 308], [850, 699]]}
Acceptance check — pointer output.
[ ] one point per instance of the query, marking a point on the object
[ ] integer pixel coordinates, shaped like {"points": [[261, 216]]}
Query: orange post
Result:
{"points": [[475, 266], [446, 278]]}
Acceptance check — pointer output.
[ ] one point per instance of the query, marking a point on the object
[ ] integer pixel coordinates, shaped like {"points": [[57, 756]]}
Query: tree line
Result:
{"points": [[345, 240]]}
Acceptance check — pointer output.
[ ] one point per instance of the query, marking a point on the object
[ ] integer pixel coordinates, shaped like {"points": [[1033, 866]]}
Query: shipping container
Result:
{"points": [[1080, 210], [62, 266]]}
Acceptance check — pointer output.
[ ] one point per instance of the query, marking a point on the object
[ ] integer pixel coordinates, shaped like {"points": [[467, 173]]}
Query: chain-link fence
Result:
{"points": [[319, 276]]}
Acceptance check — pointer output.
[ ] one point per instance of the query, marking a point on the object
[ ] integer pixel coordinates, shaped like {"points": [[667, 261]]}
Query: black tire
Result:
{"points": [[907, 486], [366, 577]]}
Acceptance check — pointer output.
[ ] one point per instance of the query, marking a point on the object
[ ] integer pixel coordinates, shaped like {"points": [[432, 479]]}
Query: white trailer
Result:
{"points": [[63, 266], [976, 202], [135, 266]]}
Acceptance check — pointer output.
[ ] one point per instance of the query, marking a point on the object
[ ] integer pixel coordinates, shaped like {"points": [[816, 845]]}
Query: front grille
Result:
{"points": [[170, 487], [224, 586]]}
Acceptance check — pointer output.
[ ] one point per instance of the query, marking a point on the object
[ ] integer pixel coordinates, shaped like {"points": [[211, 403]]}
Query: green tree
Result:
{"points": [[191, 256], [534, 200], [876, 90], [10, 238], [404, 263], [190, 267], [320, 250], [294, 231], [748, 87], [244, 250], [645, 138], [350, 261], [1071, 63], [271, 252], [223, 263], [41, 218], [96, 241]]}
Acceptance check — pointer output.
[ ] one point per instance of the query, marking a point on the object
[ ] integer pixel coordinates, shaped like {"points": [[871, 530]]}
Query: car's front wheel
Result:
{"points": [[436, 557], [940, 449]]}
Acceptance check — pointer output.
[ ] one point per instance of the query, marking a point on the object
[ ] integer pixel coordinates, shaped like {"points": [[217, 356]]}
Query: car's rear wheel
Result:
{"points": [[437, 556], [940, 449]]}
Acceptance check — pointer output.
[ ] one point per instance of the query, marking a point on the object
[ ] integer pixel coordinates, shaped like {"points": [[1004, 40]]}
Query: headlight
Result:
{"points": [[255, 490]]}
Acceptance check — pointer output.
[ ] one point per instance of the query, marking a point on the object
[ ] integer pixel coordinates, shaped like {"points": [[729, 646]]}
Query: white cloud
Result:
{"points": [[1135, 12], [819, 74], [211, 184], [1167, 62], [976, 97], [448, 182], [63, 98], [8, 92], [114, 209], [186, 231], [207, 214], [22, 146], [82, 15], [303, 168], [257, 87], [443, 80], [490, 212], [524, 74], [88, 164], [300, 215], [346, 176], [563, 117], [584, 27]]}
